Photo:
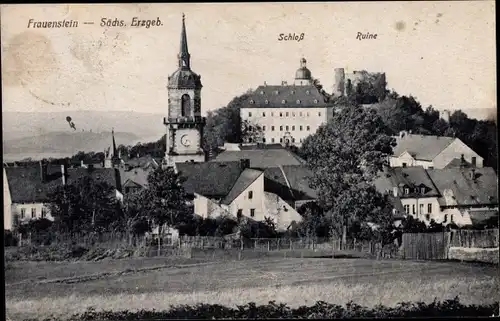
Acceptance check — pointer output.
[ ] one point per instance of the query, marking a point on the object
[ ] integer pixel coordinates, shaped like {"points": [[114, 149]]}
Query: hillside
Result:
{"points": [[59, 144], [20, 124]]}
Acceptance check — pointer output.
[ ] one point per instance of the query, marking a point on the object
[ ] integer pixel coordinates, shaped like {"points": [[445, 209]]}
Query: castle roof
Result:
{"points": [[286, 96]]}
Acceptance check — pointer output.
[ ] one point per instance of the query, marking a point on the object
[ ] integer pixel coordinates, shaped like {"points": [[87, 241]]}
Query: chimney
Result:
{"points": [[43, 171], [462, 161], [395, 191], [64, 173], [244, 163]]}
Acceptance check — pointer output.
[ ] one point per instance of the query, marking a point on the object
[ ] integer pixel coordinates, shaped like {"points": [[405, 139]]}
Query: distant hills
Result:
{"points": [[48, 134]]}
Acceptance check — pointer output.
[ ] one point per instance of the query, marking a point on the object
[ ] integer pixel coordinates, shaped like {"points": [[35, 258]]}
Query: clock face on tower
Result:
{"points": [[185, 140]]}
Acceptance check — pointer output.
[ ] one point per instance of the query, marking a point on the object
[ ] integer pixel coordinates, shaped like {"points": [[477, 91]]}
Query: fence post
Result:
{"points": [[268, 247], [279, 244], [291, 244], [202, 245], [241, 244], [159, 247], [255, 244]]}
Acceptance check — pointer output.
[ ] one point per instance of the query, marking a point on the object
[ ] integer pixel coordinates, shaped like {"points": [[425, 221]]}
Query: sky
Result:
{"points": [[443, 53]]}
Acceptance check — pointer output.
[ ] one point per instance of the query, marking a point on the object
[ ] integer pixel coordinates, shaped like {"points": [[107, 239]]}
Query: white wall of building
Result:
{"points": [[455, 150], [406, 159], [246, 204], [297, 120], [7, 203], [280, 211], [419, 208]]}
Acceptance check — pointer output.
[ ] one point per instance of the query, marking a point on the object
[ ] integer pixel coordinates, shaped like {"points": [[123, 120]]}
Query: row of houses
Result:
{"points": [[258, 182]]}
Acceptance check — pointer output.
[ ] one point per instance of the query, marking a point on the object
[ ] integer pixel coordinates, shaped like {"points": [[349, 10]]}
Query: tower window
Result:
{"points": [[283, 101], [185, 105], [251, 101]]}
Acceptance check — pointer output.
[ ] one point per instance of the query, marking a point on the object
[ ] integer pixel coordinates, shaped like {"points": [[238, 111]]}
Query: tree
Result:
{"points": [[165, 202], [345, 155], [134, 220], [85, 205]]}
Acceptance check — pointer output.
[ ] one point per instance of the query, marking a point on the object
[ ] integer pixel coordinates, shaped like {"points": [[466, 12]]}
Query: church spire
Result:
{"points": [[184, 55], [114, 143]]}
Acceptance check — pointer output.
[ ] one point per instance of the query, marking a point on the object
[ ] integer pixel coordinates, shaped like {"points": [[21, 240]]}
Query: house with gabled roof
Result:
{"points": [[432, 151], [459, 195], [29, 187], [234, 189]]}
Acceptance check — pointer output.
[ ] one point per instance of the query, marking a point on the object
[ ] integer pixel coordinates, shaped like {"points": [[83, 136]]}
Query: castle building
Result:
{"points": [[184, 123], [284, 113]]}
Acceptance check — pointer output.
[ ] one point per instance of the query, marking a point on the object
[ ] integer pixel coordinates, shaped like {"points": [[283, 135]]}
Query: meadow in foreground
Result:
{"points": [[292, 281]]}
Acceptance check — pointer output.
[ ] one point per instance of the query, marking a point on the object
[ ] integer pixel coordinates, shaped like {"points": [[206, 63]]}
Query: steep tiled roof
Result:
{"points": [[25, 183], [457, 162], [401, 177], [483, 190], [298, 178], [211, 179], [142, 161], [137, 175], [247, 177], [275, 182], [261, 158], [293, 97], [421, 147]]}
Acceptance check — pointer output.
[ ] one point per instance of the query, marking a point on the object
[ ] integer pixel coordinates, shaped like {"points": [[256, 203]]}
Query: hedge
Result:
{"points": [[321, 310]]}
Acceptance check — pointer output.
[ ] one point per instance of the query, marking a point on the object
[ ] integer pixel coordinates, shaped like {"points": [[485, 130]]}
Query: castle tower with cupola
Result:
{"points": [[184, 124]]}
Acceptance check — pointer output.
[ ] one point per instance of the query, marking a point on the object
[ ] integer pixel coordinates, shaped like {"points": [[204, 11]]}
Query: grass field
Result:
{"points": [[62, 289]]}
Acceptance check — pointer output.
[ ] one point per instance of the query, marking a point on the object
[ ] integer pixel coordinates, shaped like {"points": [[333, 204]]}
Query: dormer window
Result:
{"points": [[407, 190], [315, 101], [276, 92], [283, 101], [262, 92], [251, 101], [422, 190], [266, 101], [293, 92], [298, 101], [307, 92]]}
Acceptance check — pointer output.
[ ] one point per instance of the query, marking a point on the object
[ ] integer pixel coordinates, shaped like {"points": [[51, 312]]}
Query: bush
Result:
{"points": [[321, 310], [9, 239]]}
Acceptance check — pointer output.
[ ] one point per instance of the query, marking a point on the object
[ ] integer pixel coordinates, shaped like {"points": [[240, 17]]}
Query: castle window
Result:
{"points": [[308, 128], [250, 114], [283, 101], [23, 212], [251, 101], [286, 127], [407, 209], [33, 212], [293, 140], [272, 114], [44, 212], [293, 127], [266, 101], [281, 128], [315, 101], [263, 140], [263, 114], [293, 114], [307, 92], [272, 140], [272, 128], [263, 127], [300, 114], [298, 101], [300, 127], [185, 105], [429, 208], [307, 114], [250, 195], [281, 140], [319, 114], [281, 114], [286, 114]]}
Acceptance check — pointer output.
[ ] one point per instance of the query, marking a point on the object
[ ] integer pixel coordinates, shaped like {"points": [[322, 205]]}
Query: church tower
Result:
{"points": [[112, 158], [184, 122]]}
